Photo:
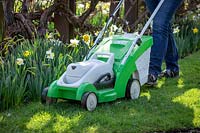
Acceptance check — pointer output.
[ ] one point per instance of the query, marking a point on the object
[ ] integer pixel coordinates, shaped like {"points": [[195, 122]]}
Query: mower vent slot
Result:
{"points": [[103, 58]]}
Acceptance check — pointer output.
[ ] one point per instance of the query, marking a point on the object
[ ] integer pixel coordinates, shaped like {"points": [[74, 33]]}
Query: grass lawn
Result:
{"points": [[173, 104]]}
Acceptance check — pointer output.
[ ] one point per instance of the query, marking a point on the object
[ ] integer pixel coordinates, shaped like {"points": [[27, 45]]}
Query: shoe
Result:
{"points": [[169, 74], [152, 80]]}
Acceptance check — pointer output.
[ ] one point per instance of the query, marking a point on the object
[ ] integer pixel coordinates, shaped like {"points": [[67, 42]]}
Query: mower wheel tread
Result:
{"points": [[85, 99], [130, 84], [44, 95]]}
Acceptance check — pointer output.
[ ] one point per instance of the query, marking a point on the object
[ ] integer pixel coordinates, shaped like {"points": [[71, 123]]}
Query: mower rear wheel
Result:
{"points": [[45, 99], [133, 89], [50, 100], [89, 101], [44, 95]]}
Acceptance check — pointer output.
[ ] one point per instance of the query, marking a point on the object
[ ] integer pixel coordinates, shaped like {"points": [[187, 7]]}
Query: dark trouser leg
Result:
{"points": [[161, 32], [171, 58]]}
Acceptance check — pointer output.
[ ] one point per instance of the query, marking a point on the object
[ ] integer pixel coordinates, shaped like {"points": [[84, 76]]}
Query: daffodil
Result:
{"points": [[26, 53], [106, 6], [73, 43], [19, 61], [49, 35], [56, 42], [49, 54], [44, 2], [96, 33], [194, 18], [80, 5], [120, 30], [114, 28], [87, 5], [99, 6], [176, 30], [104, 12], [195, 30], [186, 5], [86, 38]]}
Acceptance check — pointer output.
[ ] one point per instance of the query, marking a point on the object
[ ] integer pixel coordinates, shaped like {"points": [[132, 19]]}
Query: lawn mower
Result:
{"points": [[115, 67]]}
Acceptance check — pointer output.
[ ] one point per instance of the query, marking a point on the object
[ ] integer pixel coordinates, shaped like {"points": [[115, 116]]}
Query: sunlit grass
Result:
{"points": [[180, 83], [161, 82], [191, 99], [92, 129], [39, 121], [196, 120], [65, 123], [146, 94]]}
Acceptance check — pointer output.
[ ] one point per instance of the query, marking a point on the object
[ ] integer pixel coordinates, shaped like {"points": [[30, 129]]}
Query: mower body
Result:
{"points": [[81, 77]]}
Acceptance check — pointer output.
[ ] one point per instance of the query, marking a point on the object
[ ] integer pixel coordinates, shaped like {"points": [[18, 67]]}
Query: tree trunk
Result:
{"points": [[1, 21], [113, 5], [8, 7], [131, 11], [65, 29], [72, 4]]}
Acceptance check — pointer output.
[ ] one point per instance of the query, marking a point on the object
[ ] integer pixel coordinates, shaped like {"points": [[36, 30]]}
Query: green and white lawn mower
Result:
{"points": [[115, 67]]}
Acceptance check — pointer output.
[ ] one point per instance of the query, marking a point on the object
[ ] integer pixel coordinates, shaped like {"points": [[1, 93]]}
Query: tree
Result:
{"points": [[22, 23], [16, 24]]}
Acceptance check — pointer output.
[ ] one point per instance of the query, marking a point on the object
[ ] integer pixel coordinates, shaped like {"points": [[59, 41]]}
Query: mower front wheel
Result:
{"points": [[133, 89], [89, 101]]}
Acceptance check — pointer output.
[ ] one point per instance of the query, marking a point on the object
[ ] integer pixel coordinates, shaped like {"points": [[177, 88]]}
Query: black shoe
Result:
{"points": [[169, 74], [152, 80]]}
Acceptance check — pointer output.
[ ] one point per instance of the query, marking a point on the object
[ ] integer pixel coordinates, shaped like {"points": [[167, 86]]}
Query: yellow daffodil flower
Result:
{"points": [[27, 53], [86, 38], [195, 30]]}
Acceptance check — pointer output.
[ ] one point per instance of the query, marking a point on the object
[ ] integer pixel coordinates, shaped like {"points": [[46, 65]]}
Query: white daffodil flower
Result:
{"points": [[80, 5], [114, 28], [176, 30], [19, 61], [74, 42], [49, 54]]}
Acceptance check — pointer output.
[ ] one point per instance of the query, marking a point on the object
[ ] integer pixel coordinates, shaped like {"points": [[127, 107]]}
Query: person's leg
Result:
{"points": [[151, 4], [161, 33], [171, 58]]}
